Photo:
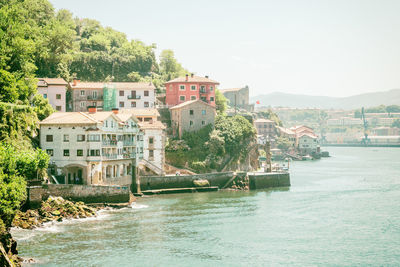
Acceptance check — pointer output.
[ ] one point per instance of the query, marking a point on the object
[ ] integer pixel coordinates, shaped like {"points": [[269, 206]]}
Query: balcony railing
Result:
{"points": [[129, 143], [109, 143], [129, 155], [110, 156], [92, 97], [133, 96]]}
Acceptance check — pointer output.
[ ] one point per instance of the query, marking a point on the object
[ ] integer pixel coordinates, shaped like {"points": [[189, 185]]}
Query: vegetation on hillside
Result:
{"points": [[210, 148], [378, 109]]}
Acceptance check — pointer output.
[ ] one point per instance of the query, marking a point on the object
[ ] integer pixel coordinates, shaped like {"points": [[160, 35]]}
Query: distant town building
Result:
{"points": [[307, 141], [54, 89], [191, 116], [287, 133], [95, 147], [106, 96], [238, 98], [190, 88], [265, 127], [385, 131]]}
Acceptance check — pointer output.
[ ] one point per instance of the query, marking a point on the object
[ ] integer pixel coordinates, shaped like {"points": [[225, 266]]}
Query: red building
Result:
{"points": [[189, 88]]}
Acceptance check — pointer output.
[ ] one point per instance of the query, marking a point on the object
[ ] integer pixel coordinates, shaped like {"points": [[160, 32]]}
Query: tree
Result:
{"points": [[42, 107], [220, 102], [170, 68], [396, 123], [283, 143]]}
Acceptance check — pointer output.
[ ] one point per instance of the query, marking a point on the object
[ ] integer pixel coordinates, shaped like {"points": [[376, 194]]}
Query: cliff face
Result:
{"points": [[246, 162], [8, 249]]}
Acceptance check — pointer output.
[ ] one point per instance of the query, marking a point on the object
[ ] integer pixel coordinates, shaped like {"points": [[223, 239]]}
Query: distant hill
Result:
{"points": [[391, 97]]}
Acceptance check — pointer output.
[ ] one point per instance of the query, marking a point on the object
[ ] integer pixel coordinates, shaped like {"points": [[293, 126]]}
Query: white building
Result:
{"points": [[53, 89], [307, 143], [92, 147], [135, 95]]}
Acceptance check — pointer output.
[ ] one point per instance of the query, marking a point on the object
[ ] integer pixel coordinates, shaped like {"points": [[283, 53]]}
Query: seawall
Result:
{"points": [[268, 180], [85, 193]]}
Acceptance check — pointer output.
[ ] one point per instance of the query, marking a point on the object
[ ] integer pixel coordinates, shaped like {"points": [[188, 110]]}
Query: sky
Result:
{"points": [[315, 47]]}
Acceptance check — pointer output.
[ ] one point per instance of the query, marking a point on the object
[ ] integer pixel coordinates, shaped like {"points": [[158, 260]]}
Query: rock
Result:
{"points": [[56, 213], [201, 183]]}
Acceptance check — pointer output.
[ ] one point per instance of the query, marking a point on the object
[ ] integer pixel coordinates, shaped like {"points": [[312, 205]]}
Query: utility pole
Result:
{"points": [[268, 156]]}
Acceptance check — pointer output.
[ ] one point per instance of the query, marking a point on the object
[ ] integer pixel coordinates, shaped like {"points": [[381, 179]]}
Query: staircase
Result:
{"points": [[152, 166]]}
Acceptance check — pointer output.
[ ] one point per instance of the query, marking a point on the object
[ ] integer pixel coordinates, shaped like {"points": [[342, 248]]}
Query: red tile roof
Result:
{"points": [[194, 79]]}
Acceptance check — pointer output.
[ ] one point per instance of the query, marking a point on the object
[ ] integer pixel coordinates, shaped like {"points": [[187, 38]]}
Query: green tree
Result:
{"points": [[42, 107], [220, 102], [283, 143]]}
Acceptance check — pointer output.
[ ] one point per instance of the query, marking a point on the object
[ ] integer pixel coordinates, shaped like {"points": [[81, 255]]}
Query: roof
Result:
{"points": [[152, 125], [296, 128], [231, 89], [196, 79], [68, 118], [51, 81], [153, 112], [286, 130], [117, 85], [262, 120], [188, 103], [313, 136]]}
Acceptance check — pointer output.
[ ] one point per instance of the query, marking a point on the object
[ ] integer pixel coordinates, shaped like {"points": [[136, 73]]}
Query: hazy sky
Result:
{"points": [[321, 47]]}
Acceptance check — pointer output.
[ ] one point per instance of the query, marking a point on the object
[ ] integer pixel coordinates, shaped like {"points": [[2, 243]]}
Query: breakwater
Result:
{"points": [[85, 193]]}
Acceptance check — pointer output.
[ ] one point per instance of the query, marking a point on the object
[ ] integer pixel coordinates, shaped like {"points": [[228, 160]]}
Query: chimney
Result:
{"points": [[115, 110], [75, 82], [191, 75], [92, 109], [187, 77], [207, 76]]}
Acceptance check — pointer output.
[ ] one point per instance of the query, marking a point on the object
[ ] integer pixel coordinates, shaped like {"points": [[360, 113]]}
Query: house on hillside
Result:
{"points": [[54, 89], [238, 98], [106, 96], [190, 88], [266, 128], [191, 116], [287, 133], [308, 143], [94, 147]]}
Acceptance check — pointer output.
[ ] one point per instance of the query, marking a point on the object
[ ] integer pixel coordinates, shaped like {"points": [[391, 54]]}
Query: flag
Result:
{"points": [[258, 102]]}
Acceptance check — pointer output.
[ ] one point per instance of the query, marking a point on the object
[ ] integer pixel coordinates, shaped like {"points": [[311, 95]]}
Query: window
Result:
{"points": [[171, 88], [193, 97], [80, 137], [211, 98], [82, 92], [94, 104], [66, 152], [58, 108], [146, 104], [93, 137], [94, 152], [121, 93], [82, 104], [203, 112], [58, 96], [151, 140], [190, 123], [49, 138], [193, 87], [50, 152], [106, 123], [79, 152], [133, 104], [94, 94], [146, 93], [44, 95], [191, 112], [182, 98], [66, 137], [202, 89], [203, 122], [151, 153], [121, 104], [182, 87], [211, 88]]}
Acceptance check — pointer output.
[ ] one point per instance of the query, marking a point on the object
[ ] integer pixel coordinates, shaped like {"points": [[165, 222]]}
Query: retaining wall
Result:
{"points": [[183, 181], [267, 180], [85, 193]]}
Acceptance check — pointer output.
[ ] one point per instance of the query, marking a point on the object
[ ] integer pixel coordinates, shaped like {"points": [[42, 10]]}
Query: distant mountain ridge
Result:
{"points": [[276, 99]]}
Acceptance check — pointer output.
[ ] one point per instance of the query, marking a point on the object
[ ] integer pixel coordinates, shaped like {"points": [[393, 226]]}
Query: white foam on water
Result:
{"points": [[137, 206]]}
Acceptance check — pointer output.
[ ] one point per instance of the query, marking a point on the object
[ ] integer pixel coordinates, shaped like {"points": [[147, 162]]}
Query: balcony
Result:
{"points": [[92, 97], [110, 156], [109, 143], [134, 96], [129, 143], [129, 155]]}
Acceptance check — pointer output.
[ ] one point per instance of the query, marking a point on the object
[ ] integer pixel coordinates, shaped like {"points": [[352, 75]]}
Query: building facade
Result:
{"points": [[106, 96], [308, 143], [92, 147], [54, 89], [238, 98], [191, 116], [190, 88], [265, 127]]}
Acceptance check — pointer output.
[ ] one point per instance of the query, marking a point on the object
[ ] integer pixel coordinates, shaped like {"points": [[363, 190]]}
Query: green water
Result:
{"points": [[343, 210]]}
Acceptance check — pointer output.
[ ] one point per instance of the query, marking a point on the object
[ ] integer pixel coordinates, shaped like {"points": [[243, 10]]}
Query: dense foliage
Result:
{"points": [[220, 102], [378, 109], [270, 115], [207, 149]]}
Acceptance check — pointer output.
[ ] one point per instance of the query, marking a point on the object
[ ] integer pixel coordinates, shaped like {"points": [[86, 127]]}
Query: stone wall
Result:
{"points": [[183, 181], [267, 180], [85, 193]]}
